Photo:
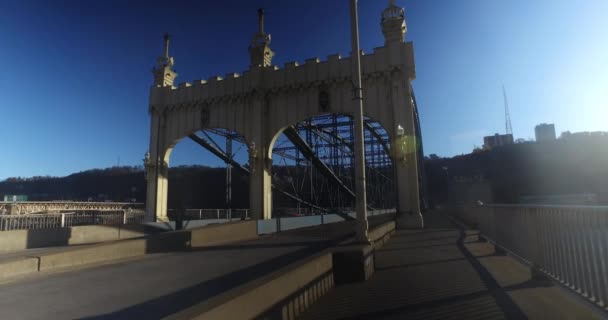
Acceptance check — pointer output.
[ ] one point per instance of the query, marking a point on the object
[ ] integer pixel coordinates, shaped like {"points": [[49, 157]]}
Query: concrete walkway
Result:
{"points": [[442, 272], [159, 285]]}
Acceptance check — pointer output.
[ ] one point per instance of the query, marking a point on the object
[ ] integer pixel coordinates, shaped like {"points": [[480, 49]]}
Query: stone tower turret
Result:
{"points": [[393, 24]]}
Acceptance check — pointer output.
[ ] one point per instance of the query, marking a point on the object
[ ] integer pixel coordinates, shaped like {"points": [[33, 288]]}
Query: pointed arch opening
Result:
{"points": [[313, 166], [208, 176]]}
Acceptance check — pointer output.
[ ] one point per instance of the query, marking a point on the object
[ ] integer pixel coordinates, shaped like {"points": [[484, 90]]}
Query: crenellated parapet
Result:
{"points": [[313, 72]]}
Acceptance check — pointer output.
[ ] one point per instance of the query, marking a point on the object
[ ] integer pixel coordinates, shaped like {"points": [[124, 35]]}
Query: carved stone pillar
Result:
{"points": [[404, 156]]}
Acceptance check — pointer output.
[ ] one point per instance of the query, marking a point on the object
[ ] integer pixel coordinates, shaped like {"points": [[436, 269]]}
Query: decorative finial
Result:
{"points": [[391, 3], [261, 20], [259, 50], [164, 75], [167, 37]]}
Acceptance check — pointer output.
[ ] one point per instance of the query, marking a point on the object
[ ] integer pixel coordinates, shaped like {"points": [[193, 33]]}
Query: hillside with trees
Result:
{"points": [[561, 167], [512, 172]]}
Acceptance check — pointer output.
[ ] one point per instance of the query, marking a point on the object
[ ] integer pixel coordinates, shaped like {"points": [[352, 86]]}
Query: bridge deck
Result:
{"points": [[160, 284], [442, 272]]}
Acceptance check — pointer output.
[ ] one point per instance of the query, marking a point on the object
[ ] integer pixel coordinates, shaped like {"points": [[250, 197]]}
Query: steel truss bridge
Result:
{"points": [[313, 164]]}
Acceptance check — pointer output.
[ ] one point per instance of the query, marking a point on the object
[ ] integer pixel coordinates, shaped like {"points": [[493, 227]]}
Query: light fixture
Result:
{"points": [[400, 131], [401, 143]]}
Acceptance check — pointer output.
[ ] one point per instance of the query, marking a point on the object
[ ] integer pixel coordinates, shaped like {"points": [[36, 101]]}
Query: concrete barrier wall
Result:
{"points": [[18, 267], [380, 231], [287, 292], [16, 240], [223, 233], [109, 252], [283, 294], [93, 254], [163, 242]]}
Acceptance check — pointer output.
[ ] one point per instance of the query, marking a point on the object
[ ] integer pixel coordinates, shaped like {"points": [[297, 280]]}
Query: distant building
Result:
{"points": [[574, 136], [545, 132], [497, 140]]}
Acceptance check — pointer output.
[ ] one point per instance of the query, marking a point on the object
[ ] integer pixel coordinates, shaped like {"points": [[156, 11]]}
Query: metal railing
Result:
{"points": [[240, 214], [567, 243], [208, 214], [66, 220], [267, 226]]}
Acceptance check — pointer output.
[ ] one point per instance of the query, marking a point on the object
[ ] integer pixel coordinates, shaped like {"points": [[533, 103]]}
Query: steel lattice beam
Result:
{"points": [[222, 155], [217, 152], [377, 135], [292, 134]]}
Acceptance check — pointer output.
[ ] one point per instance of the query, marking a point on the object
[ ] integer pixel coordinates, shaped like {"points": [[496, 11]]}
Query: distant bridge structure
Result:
{"points": [[36, 207], [266, 104]]}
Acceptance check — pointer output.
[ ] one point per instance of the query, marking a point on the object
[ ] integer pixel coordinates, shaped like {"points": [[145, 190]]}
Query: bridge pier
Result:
{"points": [[260, 153], [260, 183], [405, 154]]}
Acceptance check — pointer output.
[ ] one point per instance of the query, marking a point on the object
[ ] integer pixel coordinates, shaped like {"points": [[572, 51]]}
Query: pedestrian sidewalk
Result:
{"points": [[444, 272]]}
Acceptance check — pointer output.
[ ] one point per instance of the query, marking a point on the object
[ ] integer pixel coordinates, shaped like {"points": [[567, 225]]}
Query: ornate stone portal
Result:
{"points": [[265, 99]]}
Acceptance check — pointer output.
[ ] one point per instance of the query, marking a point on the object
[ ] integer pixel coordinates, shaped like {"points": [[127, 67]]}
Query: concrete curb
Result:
{"points": [[20, 240], [285, 293], [260, 296], [19, 267]]}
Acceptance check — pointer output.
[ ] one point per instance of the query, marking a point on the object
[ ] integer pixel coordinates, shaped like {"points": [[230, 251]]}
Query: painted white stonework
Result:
{"points": [[262, 101]]}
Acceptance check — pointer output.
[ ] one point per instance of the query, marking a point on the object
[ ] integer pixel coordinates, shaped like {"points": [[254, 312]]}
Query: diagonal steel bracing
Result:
{"points": [[374, 132], [217, 152], [321, 132], [211, 147], [292, 134], [305, 149]]}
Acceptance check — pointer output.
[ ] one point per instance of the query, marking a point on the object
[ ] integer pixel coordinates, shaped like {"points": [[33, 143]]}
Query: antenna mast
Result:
{"points": [[508, 128]]}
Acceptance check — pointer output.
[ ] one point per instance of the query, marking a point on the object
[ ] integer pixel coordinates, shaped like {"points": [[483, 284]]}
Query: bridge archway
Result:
{"points": [[265, 99], [208, 161]]}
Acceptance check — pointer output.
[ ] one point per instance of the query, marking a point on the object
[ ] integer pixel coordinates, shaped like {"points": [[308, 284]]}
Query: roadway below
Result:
{"points": [[159, 285]]}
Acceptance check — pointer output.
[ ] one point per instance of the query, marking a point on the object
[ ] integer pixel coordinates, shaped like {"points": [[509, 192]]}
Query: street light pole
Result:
{"points": [[360, 192]]}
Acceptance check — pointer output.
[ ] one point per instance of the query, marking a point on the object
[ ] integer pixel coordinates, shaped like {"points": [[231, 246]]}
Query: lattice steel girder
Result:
{"points": [[301, 145], [217, 152], [369, 125], [226, 134], [222, 155], [378, 136], [292, 134]]}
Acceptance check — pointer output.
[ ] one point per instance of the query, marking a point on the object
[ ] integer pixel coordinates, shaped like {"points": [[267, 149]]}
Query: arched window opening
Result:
{"points": [[313, 167], [209, 177]]}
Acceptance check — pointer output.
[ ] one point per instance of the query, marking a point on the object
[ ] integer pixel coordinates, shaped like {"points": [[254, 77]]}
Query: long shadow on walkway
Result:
{"points": [[418, 278], [169, 304]]}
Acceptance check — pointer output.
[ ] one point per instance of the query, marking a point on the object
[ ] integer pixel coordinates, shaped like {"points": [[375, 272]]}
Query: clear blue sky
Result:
{"points": [[76, 74]]}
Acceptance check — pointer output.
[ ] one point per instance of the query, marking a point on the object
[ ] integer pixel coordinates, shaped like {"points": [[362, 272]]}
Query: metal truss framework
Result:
{"points": [[313, 164]]}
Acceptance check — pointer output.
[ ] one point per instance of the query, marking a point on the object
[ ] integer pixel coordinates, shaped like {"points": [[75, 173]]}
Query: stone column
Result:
{"points": [[157, 170], [162, 192], [260, 162], [404, 155]]}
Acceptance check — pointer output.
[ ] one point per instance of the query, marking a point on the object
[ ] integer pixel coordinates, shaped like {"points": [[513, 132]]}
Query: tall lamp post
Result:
{"points": [[360, 196]]}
